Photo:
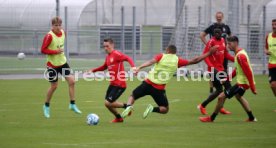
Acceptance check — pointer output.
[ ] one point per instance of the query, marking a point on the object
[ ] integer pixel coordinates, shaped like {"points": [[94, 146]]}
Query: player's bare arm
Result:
{"points": [[202, 37], [203, 56]]}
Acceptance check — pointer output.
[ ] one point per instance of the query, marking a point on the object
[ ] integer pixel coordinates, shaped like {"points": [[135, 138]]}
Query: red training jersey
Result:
{"points": [[114, 64], [158, 57], [266, 46], [45, 50], [217, 58]]}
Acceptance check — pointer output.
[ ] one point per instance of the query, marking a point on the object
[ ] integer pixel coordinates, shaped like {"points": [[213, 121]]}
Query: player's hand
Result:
{"points": [[136, 70], [222, 81], [254, 91], [267, 52], [60, 51], [213, 49]]}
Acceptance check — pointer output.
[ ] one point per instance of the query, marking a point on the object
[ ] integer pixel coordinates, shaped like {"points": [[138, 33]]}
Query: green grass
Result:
{"points": [[23, 125], [31, 65]]}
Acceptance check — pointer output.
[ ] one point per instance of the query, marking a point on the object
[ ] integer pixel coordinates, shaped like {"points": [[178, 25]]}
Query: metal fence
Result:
{"points": [[191, 19]]}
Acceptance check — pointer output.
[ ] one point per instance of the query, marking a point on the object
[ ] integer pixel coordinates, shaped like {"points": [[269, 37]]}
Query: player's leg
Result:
{"points": [[272, 80], [229, 93], [211, 97], [245, 105], [211, 87], [138, 92], [111, 104], [273, 87], [66, 72], [53, 79], [160, 99]]}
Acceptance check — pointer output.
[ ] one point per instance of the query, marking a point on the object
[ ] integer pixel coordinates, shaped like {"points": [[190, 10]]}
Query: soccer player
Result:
{"points": [[210, 30], [270, 50], [245, 80], [114, 63], [52, 46], [166, 65], [215, 66]]}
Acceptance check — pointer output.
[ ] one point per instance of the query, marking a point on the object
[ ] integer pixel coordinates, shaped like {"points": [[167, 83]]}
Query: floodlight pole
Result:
{"points": [[57, 7], [66, 32], [134, 33], [123, 29]]}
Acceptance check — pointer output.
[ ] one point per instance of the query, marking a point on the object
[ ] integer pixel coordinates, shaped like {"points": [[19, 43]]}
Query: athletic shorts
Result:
{"points": [[144, 89], [52, 73], [236, 89], [113, 93], [217, 83], [272, 74]]}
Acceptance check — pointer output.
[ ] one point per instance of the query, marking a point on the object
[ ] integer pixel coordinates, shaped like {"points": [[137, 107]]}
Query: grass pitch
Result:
{"points": [[23, 125]]}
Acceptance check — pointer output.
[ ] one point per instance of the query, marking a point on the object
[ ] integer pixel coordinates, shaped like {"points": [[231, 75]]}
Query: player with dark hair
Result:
{"points": [[52, 46], [270, 50], [245, 80], [166, 65], [210, 30], [114, 63], [215, 66]]}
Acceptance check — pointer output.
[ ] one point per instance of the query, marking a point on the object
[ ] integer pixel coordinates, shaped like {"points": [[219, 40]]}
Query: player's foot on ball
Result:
{"points": [[46, 111], [224, 111], [205, 119], [117, 120], [202, 109], [127, 111], [147, 111], [74, 108], [250, 120]]}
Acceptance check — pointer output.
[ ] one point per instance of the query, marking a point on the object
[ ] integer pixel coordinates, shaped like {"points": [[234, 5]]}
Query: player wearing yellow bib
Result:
{"points": [[52, 46], [270, 50], [245, 80], [166, 65]]}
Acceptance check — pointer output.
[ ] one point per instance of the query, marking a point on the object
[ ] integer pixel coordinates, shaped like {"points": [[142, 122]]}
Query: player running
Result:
{"points": [[216, 67], [52, 46], [270, 50], [166, 65], [114, 63], [245, 80]]}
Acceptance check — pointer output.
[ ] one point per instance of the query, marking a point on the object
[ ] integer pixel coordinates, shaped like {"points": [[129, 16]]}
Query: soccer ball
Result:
{"points": [[92, 119], [21, 56]]}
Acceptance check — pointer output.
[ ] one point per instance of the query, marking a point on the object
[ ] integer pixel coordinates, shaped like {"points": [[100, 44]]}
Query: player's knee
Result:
{"points": [[273, 84], [163, 109], [54, 86], [107, 104], [71, 83], [221, 98]]}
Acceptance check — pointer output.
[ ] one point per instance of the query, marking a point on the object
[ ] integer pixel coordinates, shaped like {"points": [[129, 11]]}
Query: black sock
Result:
{"points": [[118, 116], [72, 102], [210, 98], [47, 104], [250, 115], [213, 116], [156, 109], [125, 106], [211, 89]]}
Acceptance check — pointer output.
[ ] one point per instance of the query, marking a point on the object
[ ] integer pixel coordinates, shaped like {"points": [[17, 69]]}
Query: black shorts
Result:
{"points": [[52, 73], [113, 93], [236, 89], [217, 83], [272, 74], [144, 89]]}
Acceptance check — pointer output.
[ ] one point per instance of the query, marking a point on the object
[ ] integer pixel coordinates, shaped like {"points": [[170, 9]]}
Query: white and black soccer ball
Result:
{"points": [[21, 56], [92, 119]]}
